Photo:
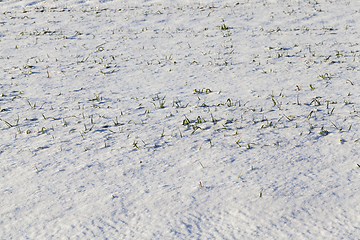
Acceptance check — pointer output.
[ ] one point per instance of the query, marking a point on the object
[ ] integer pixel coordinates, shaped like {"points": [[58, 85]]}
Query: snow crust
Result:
{"points": [[179, 119]]}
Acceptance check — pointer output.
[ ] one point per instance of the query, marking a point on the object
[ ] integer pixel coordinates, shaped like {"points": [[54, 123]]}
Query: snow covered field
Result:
{"points": [[180, 119]]}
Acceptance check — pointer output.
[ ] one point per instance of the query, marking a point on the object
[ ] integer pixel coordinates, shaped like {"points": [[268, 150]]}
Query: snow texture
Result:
{"points": [[179, 119]]}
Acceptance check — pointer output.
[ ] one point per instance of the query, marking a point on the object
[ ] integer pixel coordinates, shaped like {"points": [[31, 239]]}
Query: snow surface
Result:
{"points": [[179, 120]]}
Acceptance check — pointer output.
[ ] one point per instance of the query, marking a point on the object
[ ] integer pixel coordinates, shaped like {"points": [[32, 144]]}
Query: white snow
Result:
{"points": [[179, 119]]}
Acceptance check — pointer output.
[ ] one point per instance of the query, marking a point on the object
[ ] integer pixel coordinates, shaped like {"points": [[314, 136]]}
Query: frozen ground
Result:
{"points": [[179, 120]]}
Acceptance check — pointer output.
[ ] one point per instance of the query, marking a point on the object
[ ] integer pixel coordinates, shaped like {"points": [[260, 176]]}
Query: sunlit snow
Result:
{"points": [[179, 119]]}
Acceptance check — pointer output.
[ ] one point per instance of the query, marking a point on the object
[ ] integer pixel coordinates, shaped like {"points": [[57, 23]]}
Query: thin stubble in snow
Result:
{"points": [[112, 115]]}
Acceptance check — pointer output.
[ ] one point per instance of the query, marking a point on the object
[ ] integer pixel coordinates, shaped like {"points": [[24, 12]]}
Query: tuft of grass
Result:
{"points": [[237, 142], [186, 121], [336, 126], [116, 122], [224, 27], [132, 122], [315, 101], [32, 106], [213, 119], [210, 142], [135, 145], [8, 124], [180, 133], [201, 165], [325, 76], [310, 114], [249, 145], [161, 101], [261, 192], [82, 136], [203, 90], [194, 127], [200, 120], [65, 123], [323, 131]]}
